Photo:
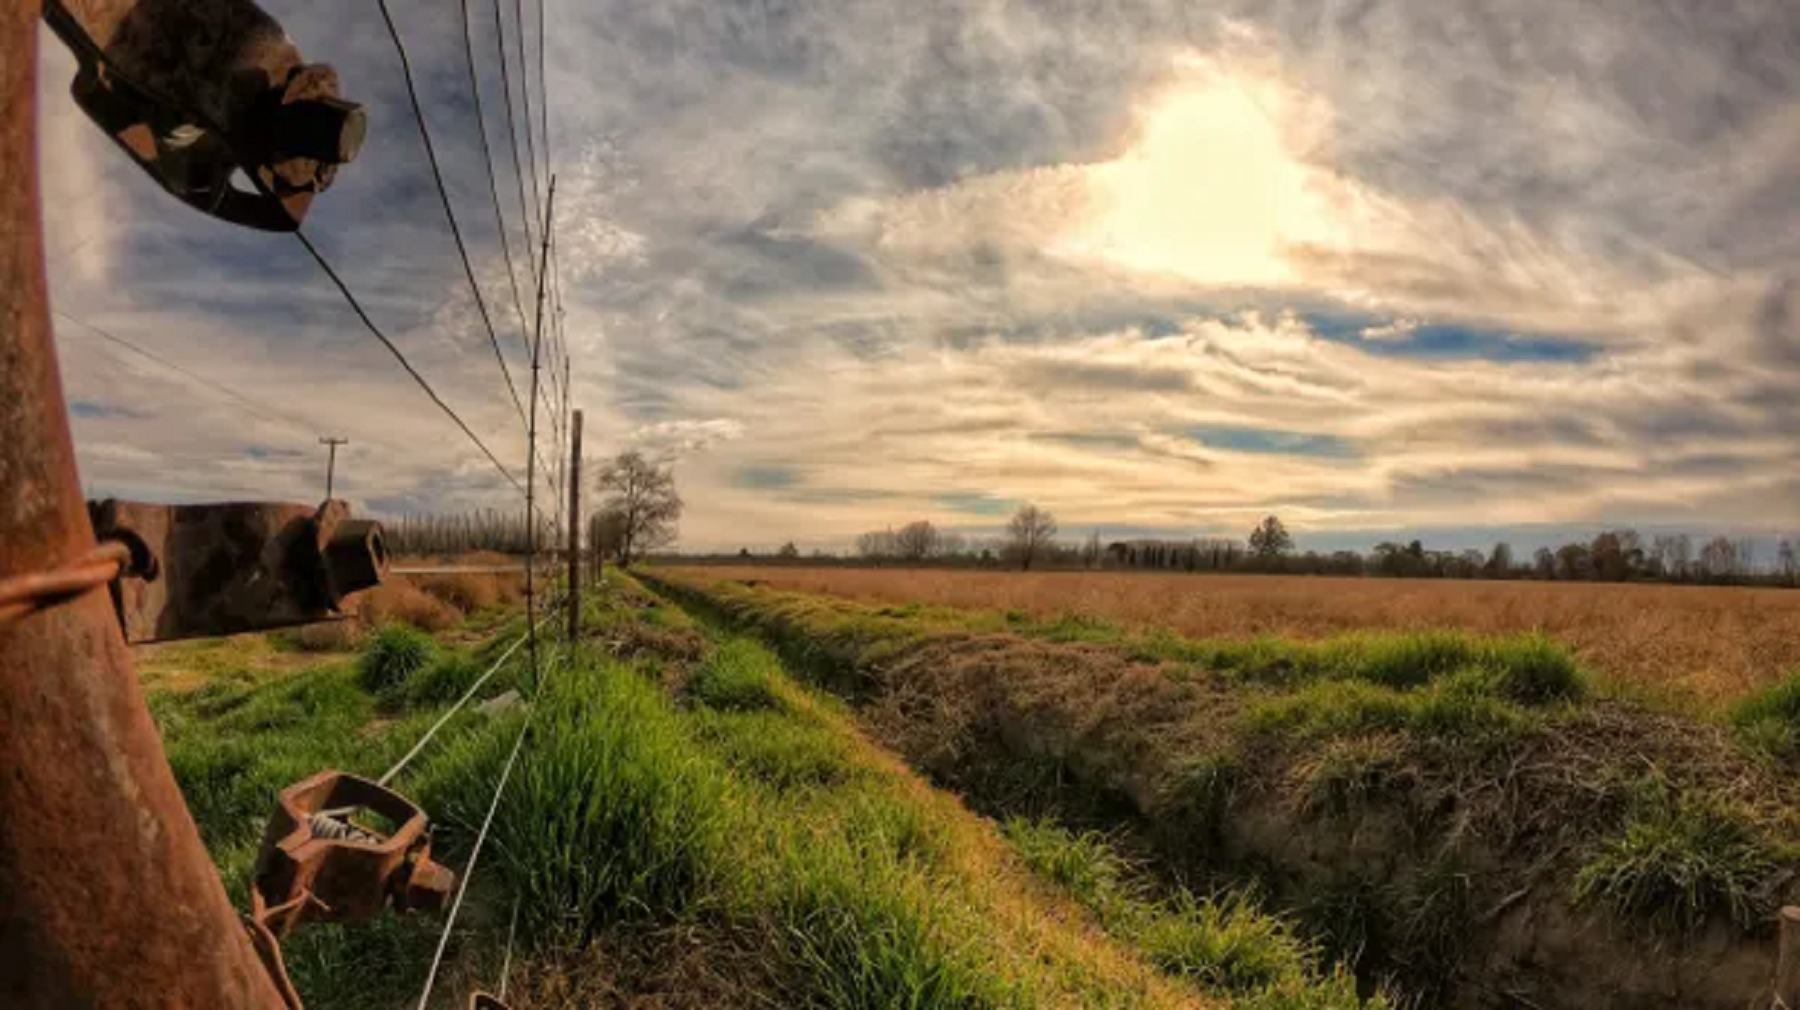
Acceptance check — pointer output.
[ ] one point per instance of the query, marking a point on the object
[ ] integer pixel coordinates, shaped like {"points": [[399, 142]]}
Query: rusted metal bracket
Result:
{"points": [[319, 862], [219, 569], [196, 90]]}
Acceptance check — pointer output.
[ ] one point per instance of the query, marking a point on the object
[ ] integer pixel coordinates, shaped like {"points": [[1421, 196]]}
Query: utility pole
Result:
{"points": [[331, 461], [109, 898], [575, 528]]}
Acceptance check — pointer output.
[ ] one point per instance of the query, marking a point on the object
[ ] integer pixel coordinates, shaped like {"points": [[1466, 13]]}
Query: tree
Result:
{"points": [[876, 545], [1030, 534], [1500, 561], [1270, 540], [788, 552], [642, 497], [1719, 558], [1091, 551], [1787, 561], [606, 530], [917, 541]]}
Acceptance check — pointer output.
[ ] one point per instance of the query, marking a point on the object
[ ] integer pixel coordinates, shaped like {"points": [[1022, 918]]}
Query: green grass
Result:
{"points": [[1679, 860], [393, 655], [1462, 709], [1768, 722], [238, 740], [736, 677], [1226, 944]]}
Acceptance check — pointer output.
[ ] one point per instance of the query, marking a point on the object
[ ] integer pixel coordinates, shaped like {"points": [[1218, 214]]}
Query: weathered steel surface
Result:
{"points": [[239, 566], [317, 863], [107, 898], [194, 89]]}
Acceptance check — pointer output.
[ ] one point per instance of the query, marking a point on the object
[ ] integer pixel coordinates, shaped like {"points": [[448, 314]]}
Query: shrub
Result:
{"points": [[1769, 720], [1533, 670], [392, 657], [1679, 860], [405, 602], [324, 636]]}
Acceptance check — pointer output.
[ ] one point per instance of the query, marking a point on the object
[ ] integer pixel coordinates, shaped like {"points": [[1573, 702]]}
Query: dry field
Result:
{"points": [[1714, 643]]}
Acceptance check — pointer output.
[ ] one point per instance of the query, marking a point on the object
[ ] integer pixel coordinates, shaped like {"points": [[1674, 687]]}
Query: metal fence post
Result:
{"points": [[107, 897], [574, 473]]}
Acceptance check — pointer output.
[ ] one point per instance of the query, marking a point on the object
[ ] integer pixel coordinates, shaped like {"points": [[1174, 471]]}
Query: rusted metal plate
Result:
{"points": [[219, 569], [318, 862], [193, 90]]}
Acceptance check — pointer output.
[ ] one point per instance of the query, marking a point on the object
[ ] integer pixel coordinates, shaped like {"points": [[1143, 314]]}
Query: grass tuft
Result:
{"points": [[736, 677], [1680, 860], [395, 653], [1768, 722]]}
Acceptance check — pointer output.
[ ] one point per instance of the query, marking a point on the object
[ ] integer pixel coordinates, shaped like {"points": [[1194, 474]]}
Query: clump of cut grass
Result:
{"points": [[1768, 722], [1680, 860], [323, 636], [393, 655], [736, 677], [1201, 791]]}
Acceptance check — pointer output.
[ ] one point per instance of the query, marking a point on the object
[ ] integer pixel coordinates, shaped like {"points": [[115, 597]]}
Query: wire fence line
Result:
{"points": [[437, 175], [406, 759], [468, 871]]}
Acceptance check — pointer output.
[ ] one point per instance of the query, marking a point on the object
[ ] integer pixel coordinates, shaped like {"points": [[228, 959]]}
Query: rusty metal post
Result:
{"points": [[107, 897], [575, 528]]}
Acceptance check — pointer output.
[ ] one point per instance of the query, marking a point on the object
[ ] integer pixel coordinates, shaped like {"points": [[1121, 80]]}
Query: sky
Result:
{"points": [[1472, 269]]}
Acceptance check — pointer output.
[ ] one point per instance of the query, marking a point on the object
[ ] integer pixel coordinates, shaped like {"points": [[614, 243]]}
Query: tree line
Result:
{"points": [[1619, 555]]}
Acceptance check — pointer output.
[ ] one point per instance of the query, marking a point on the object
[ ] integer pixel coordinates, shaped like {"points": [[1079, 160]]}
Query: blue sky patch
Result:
{"points": [[96, 410], [1449, 341], [1272, 442], [975, 503], [765, 477]]}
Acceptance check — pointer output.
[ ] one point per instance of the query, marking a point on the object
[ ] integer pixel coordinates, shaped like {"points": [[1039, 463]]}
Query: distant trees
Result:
{"points": [[1091, 551], [641, 508], [788, 552], [1030, 534], [917, 541], [1270, 540], [462, 532]]}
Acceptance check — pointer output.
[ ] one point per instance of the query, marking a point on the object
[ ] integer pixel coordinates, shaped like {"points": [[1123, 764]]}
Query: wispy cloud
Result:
{"points": [[1373, 265]]}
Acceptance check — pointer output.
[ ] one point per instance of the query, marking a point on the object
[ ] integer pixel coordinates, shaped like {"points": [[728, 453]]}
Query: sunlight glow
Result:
{"points": [[1211, 190]]}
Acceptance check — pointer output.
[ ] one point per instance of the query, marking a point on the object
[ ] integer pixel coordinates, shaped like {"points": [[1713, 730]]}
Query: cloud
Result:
{"points": [[1374, 265]]}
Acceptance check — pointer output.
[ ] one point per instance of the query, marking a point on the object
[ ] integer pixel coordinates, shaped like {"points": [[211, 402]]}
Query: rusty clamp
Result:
{"points": [[195, 90], [317, 862], [220, 569]]}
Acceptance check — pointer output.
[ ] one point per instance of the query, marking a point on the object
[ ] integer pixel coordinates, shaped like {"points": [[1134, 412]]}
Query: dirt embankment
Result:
{"points": [[1479, 840]]}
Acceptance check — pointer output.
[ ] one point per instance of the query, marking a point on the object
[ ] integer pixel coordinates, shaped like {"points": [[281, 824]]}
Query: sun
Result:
{"points": [[1211, 188]]}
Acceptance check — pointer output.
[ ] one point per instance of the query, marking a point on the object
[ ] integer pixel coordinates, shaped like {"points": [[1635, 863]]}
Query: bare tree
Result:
{"points": [[1091, 551], [1270, 539], [917, 541], [876, 545], [1030, 534], [1719, 558], [644, 508]]}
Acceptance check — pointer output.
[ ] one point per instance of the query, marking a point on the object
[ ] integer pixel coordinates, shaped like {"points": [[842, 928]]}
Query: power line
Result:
{"points": [[487, 155], [444, 195], [525, 94], [211, 384], [356, 306], [513, 132]]}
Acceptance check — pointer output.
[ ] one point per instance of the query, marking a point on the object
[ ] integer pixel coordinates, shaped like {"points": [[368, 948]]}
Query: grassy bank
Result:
{"points": [[688, 825], [1459, 813]]}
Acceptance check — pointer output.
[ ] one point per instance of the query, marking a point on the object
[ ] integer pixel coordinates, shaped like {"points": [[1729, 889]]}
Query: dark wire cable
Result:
{"points": [[437, 176], [356, 306], [215, 386], [512, 131], [525, 94], [487, 156]]}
